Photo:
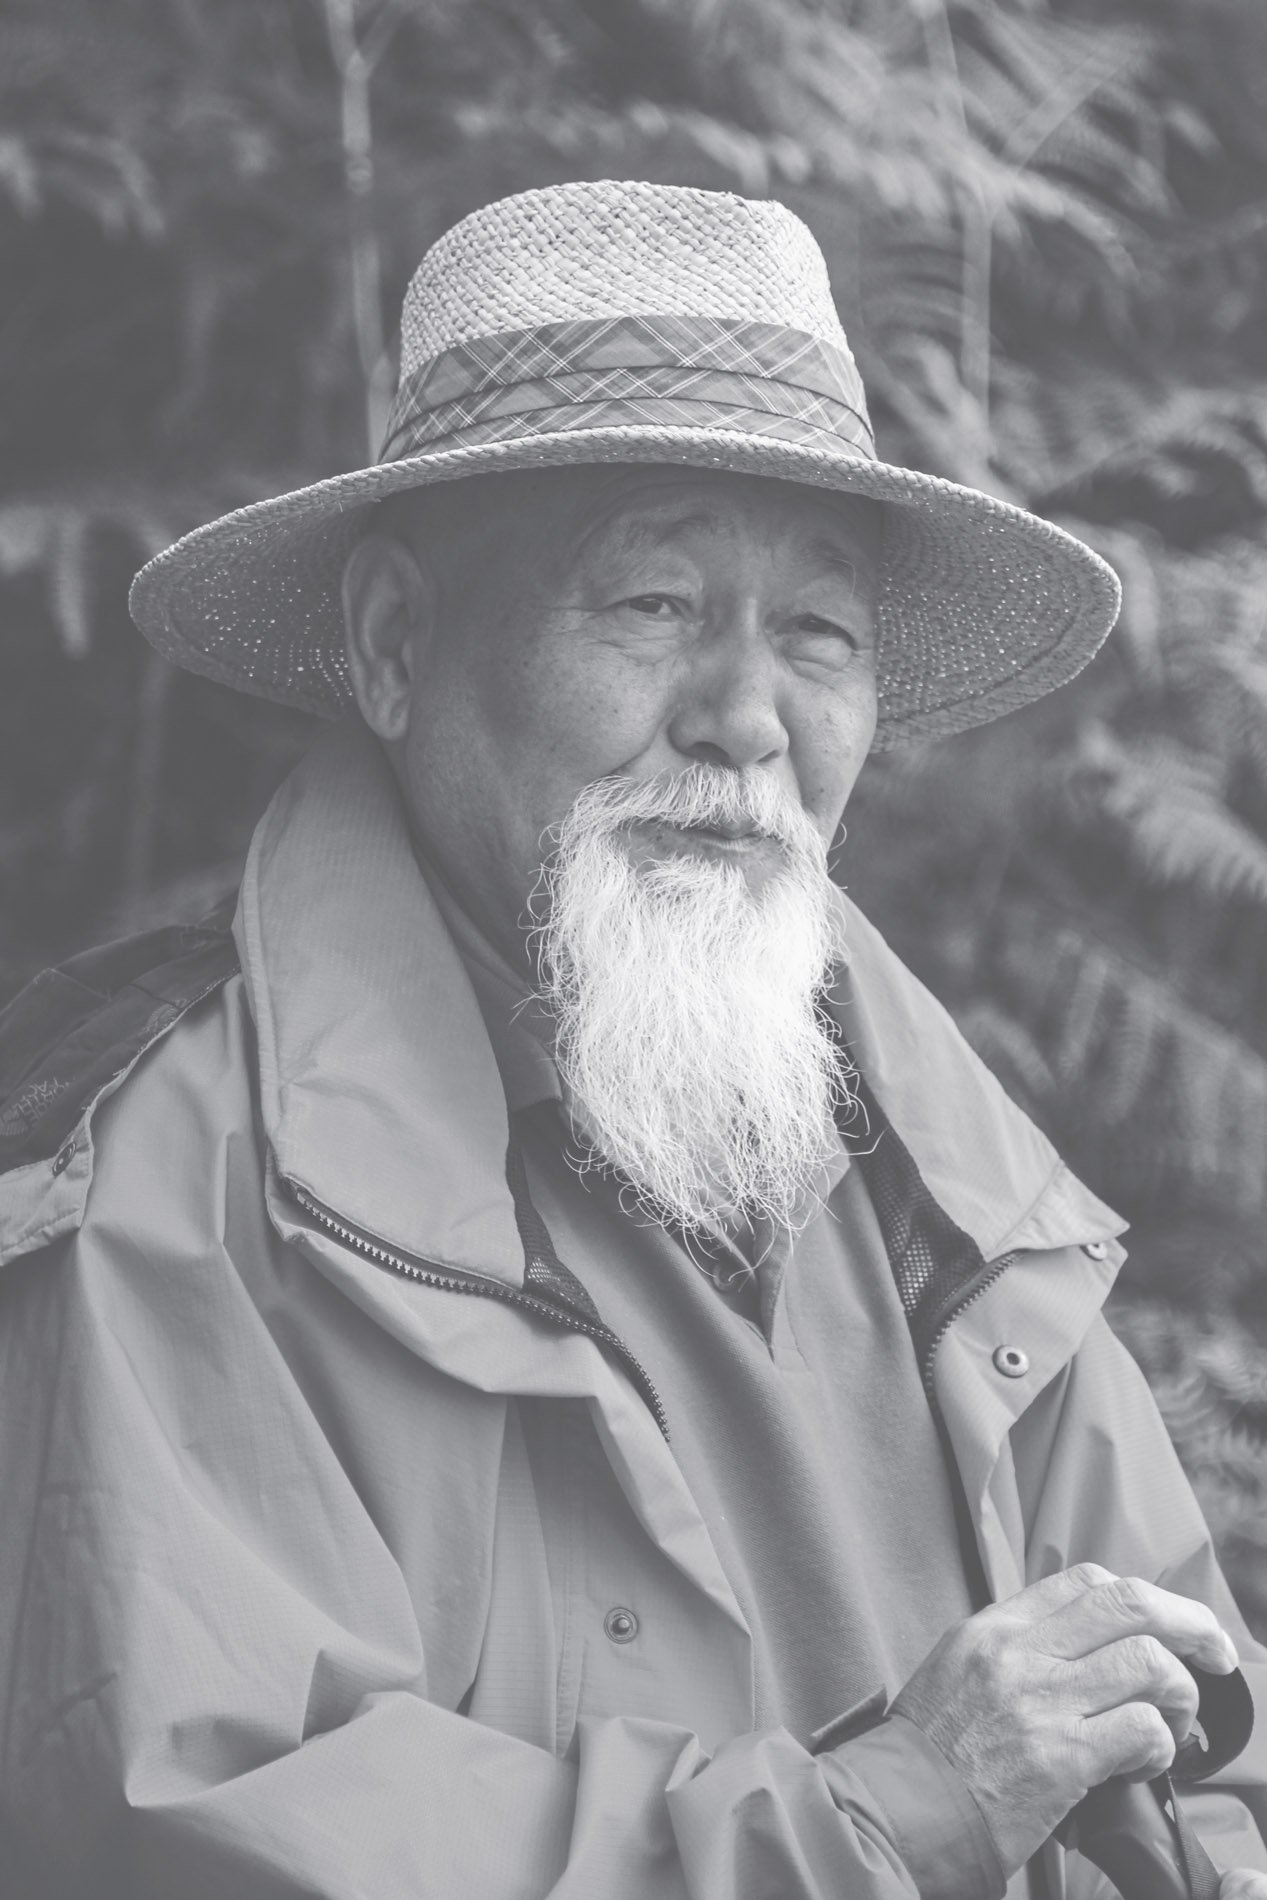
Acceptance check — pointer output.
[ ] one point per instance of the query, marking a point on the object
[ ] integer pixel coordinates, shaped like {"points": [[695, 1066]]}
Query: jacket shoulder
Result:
{"points": [[77, 1029]]}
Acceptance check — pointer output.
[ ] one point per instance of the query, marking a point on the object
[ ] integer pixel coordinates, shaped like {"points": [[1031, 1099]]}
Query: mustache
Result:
{"points": [[707, 797]]}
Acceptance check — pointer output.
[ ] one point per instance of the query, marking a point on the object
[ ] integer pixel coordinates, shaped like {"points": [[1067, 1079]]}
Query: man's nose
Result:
{"points": [[727, 711]]}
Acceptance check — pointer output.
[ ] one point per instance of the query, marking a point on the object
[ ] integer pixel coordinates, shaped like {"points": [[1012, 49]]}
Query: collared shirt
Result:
{"points": [[793, 1395]]}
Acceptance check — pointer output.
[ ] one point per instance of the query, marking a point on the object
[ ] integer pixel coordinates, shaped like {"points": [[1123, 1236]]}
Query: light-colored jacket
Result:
{"points": [[275, 1610]]}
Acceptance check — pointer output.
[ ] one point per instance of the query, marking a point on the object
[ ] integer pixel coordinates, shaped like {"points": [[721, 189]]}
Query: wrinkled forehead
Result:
{"points": [[633, 510]]}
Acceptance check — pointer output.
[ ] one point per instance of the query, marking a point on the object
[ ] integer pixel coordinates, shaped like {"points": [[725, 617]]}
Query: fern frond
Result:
{"points": [[1209, 1376], [1195, 627], [1165, 807], [54, 537], [1125, 428], [1178, 1101], [1061, 128], [1007, 1046], [1247, 721]]}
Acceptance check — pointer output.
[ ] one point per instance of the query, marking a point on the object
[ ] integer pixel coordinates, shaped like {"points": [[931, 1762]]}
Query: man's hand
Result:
{"points": [[1074, 1680], [1243, 1884]]}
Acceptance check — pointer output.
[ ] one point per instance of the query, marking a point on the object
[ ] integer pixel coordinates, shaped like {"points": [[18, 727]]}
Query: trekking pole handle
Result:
{"points": [[1136, 1831]]}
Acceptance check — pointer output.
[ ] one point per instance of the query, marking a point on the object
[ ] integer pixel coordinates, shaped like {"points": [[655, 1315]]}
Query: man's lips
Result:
{"points": [[731, 834]]}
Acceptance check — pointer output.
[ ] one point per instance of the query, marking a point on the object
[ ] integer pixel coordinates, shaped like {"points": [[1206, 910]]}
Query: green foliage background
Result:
{"points": [[1047, 226]]}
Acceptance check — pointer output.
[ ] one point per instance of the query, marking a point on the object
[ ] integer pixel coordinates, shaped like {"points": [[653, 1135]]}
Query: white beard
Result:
{"points": [[684, 1004]]}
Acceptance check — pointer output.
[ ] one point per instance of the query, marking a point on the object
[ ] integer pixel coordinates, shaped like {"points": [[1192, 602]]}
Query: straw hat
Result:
{"points": [[629, 322]]}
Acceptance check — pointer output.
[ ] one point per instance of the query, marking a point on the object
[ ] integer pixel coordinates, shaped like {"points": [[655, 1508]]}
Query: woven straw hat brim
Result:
{"points": [[982, 606]]}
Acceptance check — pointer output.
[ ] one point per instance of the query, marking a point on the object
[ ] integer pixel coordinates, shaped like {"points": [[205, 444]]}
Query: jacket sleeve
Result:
{"points": [[215, 1683], [1102, 1484]]}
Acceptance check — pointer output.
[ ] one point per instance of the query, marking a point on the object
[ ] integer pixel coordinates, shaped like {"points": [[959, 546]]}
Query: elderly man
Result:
{"points": [[541, 1364]]}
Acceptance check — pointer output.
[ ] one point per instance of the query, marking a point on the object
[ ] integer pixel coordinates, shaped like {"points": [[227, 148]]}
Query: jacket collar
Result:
{"points": [[379, 1091], [381, 1096], [981, 1157]]}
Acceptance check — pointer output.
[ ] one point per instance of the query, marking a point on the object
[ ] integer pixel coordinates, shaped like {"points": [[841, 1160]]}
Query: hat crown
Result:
{"points": [[608, 248]]}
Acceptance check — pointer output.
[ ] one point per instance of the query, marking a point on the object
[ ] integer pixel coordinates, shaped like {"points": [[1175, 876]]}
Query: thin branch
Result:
{"points": [[978, 228], [355, 71]]}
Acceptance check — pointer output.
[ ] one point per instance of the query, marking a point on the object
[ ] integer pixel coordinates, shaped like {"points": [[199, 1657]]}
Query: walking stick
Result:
{"points": [[1136, 1832]]}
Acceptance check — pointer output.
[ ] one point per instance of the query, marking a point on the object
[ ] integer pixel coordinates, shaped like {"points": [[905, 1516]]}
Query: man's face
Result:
{"points": [[623, 624], [626, 707]]}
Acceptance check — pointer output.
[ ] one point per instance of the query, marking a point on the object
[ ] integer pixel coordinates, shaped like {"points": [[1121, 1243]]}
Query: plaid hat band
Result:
{"points": [[669, 369]]}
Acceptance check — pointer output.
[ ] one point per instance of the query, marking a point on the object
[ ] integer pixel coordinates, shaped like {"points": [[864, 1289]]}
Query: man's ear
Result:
{"points": [[389, 617]]}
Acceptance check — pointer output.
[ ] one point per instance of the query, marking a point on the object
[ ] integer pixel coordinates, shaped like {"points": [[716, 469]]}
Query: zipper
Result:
{"points": [[978, 1580], [962, 1301], [427, 1274]]}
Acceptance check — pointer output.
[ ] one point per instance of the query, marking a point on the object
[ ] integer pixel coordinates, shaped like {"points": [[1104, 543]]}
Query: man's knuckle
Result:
{"points": [[1089, 1576], [1131, 1597]]}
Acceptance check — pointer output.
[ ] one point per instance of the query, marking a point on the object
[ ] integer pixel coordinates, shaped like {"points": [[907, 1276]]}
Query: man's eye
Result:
{"points": [[816, 626], [654, 606]]}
